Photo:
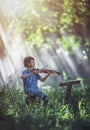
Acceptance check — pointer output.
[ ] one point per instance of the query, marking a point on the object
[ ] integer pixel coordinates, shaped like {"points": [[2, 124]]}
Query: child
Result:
{"points": [[30, 77]]}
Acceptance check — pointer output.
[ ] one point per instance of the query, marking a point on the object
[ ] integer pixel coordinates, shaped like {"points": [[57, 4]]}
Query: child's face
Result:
{"points": [[32, 63]]}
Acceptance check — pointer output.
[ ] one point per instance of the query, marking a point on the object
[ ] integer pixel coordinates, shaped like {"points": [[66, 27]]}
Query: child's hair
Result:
{"points": [[27, 60]]}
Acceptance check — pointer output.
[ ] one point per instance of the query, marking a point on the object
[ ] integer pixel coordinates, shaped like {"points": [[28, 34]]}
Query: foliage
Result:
{"points": [[40, 20], [51, 25], [15, 114]]}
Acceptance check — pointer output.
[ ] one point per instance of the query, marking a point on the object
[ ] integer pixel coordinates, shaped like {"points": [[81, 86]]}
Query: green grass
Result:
{"points": [[16, 115]]}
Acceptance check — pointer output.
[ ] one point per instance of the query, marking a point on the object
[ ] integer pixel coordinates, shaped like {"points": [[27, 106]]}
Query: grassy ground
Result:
{"points": [[16, 115]]}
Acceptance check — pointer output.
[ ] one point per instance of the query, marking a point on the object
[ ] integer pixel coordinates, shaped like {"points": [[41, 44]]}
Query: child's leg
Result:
{"points": [[42, 96], [27, 100], [45, 99], [30, 98]]}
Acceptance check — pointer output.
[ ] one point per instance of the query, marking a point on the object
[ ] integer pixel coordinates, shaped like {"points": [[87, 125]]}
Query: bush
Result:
{"points": [[16, 115]]}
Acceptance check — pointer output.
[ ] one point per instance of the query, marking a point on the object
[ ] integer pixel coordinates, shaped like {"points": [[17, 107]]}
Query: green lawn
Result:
{"points": [[16, 115]]}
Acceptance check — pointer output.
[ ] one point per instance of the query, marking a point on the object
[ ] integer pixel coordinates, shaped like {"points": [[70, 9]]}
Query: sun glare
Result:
{"points": [[12, 51]]}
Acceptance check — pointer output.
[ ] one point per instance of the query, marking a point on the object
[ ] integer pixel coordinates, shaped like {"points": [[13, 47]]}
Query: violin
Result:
{"points": [[46, 71]]}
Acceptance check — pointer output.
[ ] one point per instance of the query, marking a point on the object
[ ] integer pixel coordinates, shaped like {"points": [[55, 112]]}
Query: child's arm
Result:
{"points": [[26, 75], [45, 78]]}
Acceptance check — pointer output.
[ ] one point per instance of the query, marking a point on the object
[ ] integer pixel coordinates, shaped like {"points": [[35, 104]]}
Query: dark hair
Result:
{"points": [[27, 60]]}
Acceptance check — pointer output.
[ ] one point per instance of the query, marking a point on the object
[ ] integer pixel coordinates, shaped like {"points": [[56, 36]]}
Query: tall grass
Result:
{"points": [[16, 115]]}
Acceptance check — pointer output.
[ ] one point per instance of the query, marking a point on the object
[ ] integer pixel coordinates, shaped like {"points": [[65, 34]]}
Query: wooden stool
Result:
{"points": [[68, 85], [30, 99]]}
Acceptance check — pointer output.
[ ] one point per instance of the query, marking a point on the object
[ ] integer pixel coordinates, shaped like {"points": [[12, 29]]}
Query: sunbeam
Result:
{"points": [[47, 47]]}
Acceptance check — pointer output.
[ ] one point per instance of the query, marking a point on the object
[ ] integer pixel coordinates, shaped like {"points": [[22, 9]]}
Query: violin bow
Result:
{"points": [[44, 67]]}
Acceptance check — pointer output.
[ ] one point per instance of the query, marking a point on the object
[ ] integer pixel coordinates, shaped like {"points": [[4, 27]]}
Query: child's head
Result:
{"points": [[29, 61]]}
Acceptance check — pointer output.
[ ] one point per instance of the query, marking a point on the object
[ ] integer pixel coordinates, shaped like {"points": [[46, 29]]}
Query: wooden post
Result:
{"points": [[69, 84]]}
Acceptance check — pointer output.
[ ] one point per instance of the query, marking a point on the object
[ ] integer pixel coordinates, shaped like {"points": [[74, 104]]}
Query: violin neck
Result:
{"points": [[57, 72]]}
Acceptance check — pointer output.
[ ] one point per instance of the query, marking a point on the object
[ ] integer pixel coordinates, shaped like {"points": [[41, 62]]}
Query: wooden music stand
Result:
{"points": [[68, 85]]}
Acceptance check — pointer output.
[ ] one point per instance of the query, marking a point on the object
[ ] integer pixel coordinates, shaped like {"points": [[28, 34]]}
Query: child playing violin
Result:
{"points": [[30, 76]]}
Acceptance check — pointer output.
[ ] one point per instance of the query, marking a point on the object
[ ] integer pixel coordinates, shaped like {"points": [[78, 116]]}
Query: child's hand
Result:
{"points": [[51, 72], [35, 71]]}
